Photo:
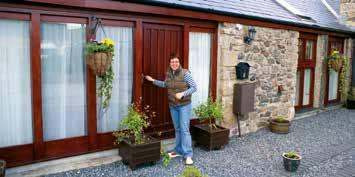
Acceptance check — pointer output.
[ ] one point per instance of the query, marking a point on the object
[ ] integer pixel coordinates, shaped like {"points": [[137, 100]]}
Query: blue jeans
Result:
{"points": [[181, 120]]}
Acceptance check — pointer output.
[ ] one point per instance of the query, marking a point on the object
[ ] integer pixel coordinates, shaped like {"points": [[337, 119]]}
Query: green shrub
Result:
{"points": [[135, 122], [209, 110], [281, 120], [192, 171], [291, 154]]}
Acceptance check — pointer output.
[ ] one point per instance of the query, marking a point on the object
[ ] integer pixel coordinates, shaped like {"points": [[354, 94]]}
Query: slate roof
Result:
{"points": [[266, 9], [319, 12]]}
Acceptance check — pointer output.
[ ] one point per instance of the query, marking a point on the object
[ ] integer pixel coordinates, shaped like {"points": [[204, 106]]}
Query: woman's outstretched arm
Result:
{"points": [[156, 82]]}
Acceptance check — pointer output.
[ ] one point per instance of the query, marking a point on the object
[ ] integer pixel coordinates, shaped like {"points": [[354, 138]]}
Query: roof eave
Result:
{"points": [[166, 4]]}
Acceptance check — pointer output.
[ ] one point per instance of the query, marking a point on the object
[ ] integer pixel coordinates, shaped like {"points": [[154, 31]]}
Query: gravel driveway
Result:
{"points": [[326, 142]]}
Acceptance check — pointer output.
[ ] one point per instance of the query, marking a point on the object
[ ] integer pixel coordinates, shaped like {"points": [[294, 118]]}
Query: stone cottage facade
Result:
{"points": [[347, 10], [273, 57], [53, 97]]}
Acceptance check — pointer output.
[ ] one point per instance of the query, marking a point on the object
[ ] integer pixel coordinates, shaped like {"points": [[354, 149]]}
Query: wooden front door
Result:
{"points": [[159, 41], [305, 71]]}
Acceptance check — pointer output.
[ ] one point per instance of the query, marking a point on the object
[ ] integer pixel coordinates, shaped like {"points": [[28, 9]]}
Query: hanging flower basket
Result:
{"points": [[99, 56], [335, 61], [336, 64]]}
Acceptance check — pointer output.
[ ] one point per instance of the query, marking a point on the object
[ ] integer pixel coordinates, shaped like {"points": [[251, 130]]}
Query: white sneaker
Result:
{"points": [[173, 154], [189, 161]]}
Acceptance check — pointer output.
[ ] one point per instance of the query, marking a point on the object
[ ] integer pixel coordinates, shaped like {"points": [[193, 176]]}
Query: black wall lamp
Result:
{"points": [[251, 35]]}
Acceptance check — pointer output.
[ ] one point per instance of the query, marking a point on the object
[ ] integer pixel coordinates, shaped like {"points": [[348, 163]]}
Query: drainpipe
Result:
{"points": [[353, 64]]}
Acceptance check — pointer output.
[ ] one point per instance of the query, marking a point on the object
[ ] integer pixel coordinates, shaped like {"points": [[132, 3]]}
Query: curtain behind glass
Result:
{"points": [[63, 80], [199, 65], [15, 84], [333, 85], [306, 86], [298, 80], [123, 80]]}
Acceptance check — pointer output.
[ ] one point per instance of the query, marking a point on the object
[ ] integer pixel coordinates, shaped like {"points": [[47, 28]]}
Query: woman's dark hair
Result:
{"points": [[174, 55]]}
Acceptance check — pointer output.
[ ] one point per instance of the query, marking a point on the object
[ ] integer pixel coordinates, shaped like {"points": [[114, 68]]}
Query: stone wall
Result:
{"points": [[273, 58], [348, 50], [320, 74], [347, 10]]}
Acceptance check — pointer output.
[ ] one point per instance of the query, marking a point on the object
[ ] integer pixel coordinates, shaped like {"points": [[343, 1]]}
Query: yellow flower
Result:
{"points": [[335, 52], [107, 41]]}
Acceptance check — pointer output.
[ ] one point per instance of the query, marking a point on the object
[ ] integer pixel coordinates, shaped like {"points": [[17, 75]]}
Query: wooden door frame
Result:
{"points": [[337, 100], [304, 64], [78, 145], [105, 140], [20, 154]]}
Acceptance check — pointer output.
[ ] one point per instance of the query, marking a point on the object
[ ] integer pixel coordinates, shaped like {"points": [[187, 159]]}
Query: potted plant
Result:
{"points": [[191, 171], [280, 125], [351, 99], [2, 168], [99, 57], [135, 147], [335, 60], [210, 136], [291, 160]]}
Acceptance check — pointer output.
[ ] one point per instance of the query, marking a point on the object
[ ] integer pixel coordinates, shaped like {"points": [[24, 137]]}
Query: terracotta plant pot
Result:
{"points": [[136, 154], [336, 64], [2, 168], [210, 139], [291, 164], [279, 127], [99, 62]]}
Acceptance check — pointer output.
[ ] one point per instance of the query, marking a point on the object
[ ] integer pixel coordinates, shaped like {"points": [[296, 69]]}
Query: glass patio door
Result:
{"points": [[15, 81], [332, 93], [109, 121], [305, 71], [200, 45]]}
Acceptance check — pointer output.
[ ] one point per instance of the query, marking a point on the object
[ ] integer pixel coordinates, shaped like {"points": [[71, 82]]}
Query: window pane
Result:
{"points": [[199, 65], [306, 86], [15, 84], [309, 50], [300, 49], [63, 80], [123, 80], [333, 85], [298, 88]]}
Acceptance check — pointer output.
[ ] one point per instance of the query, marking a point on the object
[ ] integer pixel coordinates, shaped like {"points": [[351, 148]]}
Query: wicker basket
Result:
{"points": [[336, 64], [99, 62]]}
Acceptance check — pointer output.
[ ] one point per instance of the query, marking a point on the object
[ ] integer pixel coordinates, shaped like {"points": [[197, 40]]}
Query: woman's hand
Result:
{"points": [[179, 95], [149, 78]]}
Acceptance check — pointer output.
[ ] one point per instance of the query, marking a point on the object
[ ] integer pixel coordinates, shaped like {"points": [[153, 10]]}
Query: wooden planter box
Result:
{"points": [[210, 140], [281, 128], [134, 155], [2, 168]]}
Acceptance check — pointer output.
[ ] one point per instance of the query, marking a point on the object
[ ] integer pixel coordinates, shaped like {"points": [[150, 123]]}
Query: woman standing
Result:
{"points": [[180, 87]]}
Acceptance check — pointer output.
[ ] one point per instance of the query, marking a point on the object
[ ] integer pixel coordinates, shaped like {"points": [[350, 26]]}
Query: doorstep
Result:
{"points": [[75, 162], [65, 164], [312, 112]]}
